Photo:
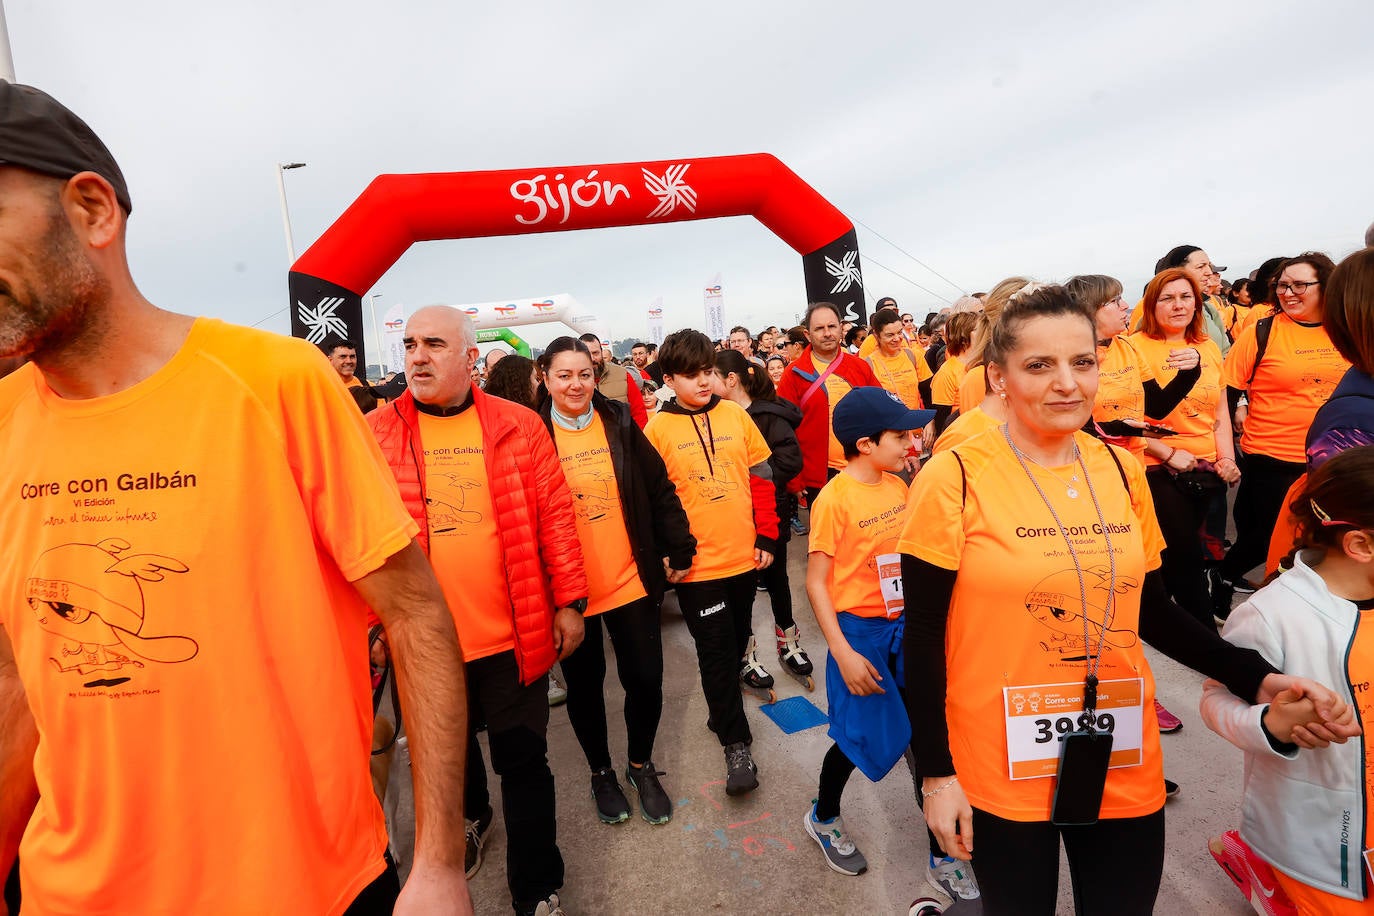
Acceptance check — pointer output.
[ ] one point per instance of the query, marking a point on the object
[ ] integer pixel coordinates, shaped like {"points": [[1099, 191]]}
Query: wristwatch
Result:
{"points": [[579, 605]]}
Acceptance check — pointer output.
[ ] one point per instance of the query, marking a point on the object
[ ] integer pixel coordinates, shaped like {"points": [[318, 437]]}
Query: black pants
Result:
{"points": [[719, 615], [1115, 865], [775, 580], [1263, 484], [634, 632], [517, 720], [379, 897], [1180, 520]]}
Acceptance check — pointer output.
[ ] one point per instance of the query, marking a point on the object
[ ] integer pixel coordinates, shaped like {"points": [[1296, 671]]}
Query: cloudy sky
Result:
{"points": [[983, 139]]}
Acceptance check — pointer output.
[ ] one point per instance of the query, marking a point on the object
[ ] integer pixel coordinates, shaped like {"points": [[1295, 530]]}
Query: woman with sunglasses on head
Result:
{"points": [[1187, 469], [1029, 561], [1285, 381]]}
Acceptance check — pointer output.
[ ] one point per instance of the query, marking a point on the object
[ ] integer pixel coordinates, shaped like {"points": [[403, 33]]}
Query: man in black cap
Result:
{"points": [[184, 589]]}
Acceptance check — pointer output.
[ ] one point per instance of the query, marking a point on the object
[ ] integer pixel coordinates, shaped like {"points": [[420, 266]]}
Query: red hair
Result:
{"points": [[1196, 332]]}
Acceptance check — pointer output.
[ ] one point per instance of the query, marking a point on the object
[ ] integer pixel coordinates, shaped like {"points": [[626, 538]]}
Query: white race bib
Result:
{"points": [[1039, 716], [890, 583]]}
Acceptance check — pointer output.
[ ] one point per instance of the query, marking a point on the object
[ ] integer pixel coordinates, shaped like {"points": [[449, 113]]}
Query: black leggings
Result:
{"points": [[1180, 520], [634, 632], [775, 580], [1263, 484], [1115, 865]]}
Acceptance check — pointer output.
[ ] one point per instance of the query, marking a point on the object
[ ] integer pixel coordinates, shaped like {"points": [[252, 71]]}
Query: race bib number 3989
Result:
{"points": [[1039, 716]]}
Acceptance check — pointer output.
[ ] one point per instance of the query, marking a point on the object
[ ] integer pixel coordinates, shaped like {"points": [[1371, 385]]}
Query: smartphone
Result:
{"points": [[1082, 776], [1153, 431]]}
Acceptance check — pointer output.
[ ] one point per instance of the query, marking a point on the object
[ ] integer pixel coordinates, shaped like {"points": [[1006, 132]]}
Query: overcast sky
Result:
{"points": [[984, 139]]}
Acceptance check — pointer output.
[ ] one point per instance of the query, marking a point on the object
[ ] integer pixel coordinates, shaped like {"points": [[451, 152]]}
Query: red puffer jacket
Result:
{"points": [[539, 547]]}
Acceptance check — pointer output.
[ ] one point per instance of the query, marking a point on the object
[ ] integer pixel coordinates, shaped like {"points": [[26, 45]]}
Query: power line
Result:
{"points": [[270, 317], [913, 257], [869, 260]]}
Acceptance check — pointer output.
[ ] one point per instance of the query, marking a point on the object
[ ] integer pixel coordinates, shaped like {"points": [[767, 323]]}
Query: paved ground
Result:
{"points": [[741, 856]]}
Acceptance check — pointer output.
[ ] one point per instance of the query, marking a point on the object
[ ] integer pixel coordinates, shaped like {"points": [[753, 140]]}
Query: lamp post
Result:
{"points": [[285, 213], [376, 332]]}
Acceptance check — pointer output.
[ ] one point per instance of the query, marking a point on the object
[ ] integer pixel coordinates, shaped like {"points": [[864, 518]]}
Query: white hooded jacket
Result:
{"points": [[1303, 812]]}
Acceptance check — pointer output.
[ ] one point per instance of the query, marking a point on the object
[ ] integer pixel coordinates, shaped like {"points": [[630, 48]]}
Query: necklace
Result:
{"points": [[1070, 489]]}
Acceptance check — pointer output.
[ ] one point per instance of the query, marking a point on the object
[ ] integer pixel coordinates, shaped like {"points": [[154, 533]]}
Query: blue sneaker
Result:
{"points": [[841, 854], [798, 528]]}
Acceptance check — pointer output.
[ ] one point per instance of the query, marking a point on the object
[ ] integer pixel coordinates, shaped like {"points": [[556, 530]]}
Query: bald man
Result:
{"points": [[481, 476]]}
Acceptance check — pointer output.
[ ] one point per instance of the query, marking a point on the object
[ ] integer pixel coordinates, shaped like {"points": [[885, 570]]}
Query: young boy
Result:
{"points": [[717, 459], [854, 580]]}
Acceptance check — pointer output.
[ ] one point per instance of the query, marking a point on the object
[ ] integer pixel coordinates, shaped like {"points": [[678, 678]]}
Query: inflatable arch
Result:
{"points": [[511, 313], [505, 335], [327, 282]]}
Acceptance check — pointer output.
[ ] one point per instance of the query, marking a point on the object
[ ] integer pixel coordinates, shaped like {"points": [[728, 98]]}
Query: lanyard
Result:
{"points": [[1089, 717]]}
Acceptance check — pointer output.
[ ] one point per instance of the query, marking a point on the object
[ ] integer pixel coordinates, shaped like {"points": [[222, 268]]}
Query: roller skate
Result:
{"points": [[793, 657], [754, 676]]}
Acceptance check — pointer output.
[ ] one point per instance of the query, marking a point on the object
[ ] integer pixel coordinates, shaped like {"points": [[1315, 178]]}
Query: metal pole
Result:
{"points": [[6, 57], [376, 332], [285, 213]]}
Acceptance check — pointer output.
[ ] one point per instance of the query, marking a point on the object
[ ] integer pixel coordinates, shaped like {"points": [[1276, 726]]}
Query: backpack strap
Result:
{"points": [[1263, 328], [1119, 469], [963, 480]]}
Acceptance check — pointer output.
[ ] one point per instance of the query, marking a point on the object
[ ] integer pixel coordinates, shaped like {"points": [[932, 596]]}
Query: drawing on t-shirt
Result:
{"points": [[1318, 386], [1052, 602], [1201, 398], [712, 488], [90, 596], [446, 500], [594, 495]]}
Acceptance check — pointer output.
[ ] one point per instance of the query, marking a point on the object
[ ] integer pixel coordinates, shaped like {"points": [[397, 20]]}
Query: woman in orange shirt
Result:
{"points": [[1185, 470], [636, 539], [1046, 537]]}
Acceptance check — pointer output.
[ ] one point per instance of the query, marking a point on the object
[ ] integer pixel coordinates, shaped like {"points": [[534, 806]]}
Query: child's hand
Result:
{"points": [[858, 672], [762, 558], [1289, 709]]}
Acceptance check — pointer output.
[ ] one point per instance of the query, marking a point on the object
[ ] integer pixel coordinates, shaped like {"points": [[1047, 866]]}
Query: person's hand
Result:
{"points": [[1183, 358], [1286, 711], [434, 890], [1238, 421], [928, 438], [949, 816], [674, 576], [912, 463], [1335, 721], [1227, 470], [858, 672], [762, 558], [568, 629], [1182, 460]]}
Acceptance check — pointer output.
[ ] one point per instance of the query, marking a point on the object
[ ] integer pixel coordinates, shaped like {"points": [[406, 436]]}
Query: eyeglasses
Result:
{"points": [[1296, 287], [908, 321], [1326, 520]]}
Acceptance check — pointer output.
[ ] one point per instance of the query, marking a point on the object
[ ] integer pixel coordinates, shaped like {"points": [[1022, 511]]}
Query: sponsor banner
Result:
{"points": [[655, 335], [714, 299], [393, 337]]}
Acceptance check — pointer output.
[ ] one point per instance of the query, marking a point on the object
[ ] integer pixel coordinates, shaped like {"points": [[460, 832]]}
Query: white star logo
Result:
{"points": [[845, 272], [670, 190], [321, 320]]}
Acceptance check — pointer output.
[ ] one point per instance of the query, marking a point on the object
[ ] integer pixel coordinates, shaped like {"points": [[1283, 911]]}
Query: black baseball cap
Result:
{"points": [[40, 133]]}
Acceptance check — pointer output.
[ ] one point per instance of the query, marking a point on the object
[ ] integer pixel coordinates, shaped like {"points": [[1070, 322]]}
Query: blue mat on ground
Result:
{"points": [[794, 714]]}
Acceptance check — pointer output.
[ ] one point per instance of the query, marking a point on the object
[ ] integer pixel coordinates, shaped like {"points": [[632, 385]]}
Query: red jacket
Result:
{"points": [[539, 547], [814, 431]]}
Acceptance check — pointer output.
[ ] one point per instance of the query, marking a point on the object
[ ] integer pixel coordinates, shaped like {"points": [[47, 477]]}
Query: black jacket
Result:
{"points": [[654, 517], [778, 421]]}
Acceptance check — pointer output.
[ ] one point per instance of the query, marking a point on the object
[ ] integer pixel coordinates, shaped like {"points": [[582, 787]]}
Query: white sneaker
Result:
{"points": [[954, 877], [558, 694], [550, 907]]}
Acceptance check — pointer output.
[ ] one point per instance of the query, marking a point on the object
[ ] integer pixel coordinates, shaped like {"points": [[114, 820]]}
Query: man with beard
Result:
{"points": [[614, 381], [208, 565]]}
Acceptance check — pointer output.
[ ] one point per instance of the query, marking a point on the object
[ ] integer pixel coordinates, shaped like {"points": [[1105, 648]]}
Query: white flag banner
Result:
{"points": [[656, 321], [393, 336], [715, 310]]}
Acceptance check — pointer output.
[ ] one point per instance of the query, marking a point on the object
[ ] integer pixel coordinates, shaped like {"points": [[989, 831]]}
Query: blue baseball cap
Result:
{"points": [[865, 411]]}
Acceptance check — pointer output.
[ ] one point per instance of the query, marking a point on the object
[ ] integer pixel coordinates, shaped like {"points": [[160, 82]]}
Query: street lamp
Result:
{"points": [[285, 213], [376, 332]]}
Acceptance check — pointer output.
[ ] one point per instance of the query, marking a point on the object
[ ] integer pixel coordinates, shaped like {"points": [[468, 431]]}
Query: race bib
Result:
{"points": [[890, 583], [1039, 716]]}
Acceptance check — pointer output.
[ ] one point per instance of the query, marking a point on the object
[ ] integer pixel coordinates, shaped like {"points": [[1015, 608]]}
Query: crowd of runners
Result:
{"points": [[212, 536]]}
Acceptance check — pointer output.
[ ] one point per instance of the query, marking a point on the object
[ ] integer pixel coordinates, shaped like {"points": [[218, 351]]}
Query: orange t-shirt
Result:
{"points": [[1299, 370], [902, 375], [464, 544], [835, 388], [866, 518], [175, 568], [944, 388], [1003, 631], [973, 388], [1195, 417], [612, 573], [712, 480], [1121, 377], [1252, 314], [968, 426]]}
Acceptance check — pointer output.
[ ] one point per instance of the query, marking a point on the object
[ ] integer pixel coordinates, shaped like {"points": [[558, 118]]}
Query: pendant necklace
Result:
{"points": [[1070, 488]]}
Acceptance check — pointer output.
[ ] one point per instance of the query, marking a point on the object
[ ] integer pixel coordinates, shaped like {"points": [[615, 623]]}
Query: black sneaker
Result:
{"points": [[477, 832], [741, 775], [611, 804], [1171, 789], [654, 804], [1222, 593]]}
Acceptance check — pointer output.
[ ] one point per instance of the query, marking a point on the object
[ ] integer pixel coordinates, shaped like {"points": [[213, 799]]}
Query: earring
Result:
{"points": [[1002, 395]]}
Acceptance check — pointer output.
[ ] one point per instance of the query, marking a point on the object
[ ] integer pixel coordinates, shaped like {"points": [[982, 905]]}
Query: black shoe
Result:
{"points": [[611, 804], [1222, 593], [477, 832], [654, 804], [1171, 789], [741, 775]]}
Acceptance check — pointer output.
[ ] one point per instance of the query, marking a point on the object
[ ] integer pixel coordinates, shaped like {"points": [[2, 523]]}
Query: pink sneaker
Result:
{"points": [[1168, 722], [1250, 873]]}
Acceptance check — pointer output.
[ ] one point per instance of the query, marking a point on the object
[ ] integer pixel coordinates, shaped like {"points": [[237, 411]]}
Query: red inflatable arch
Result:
{"points": [[328, 281]]}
